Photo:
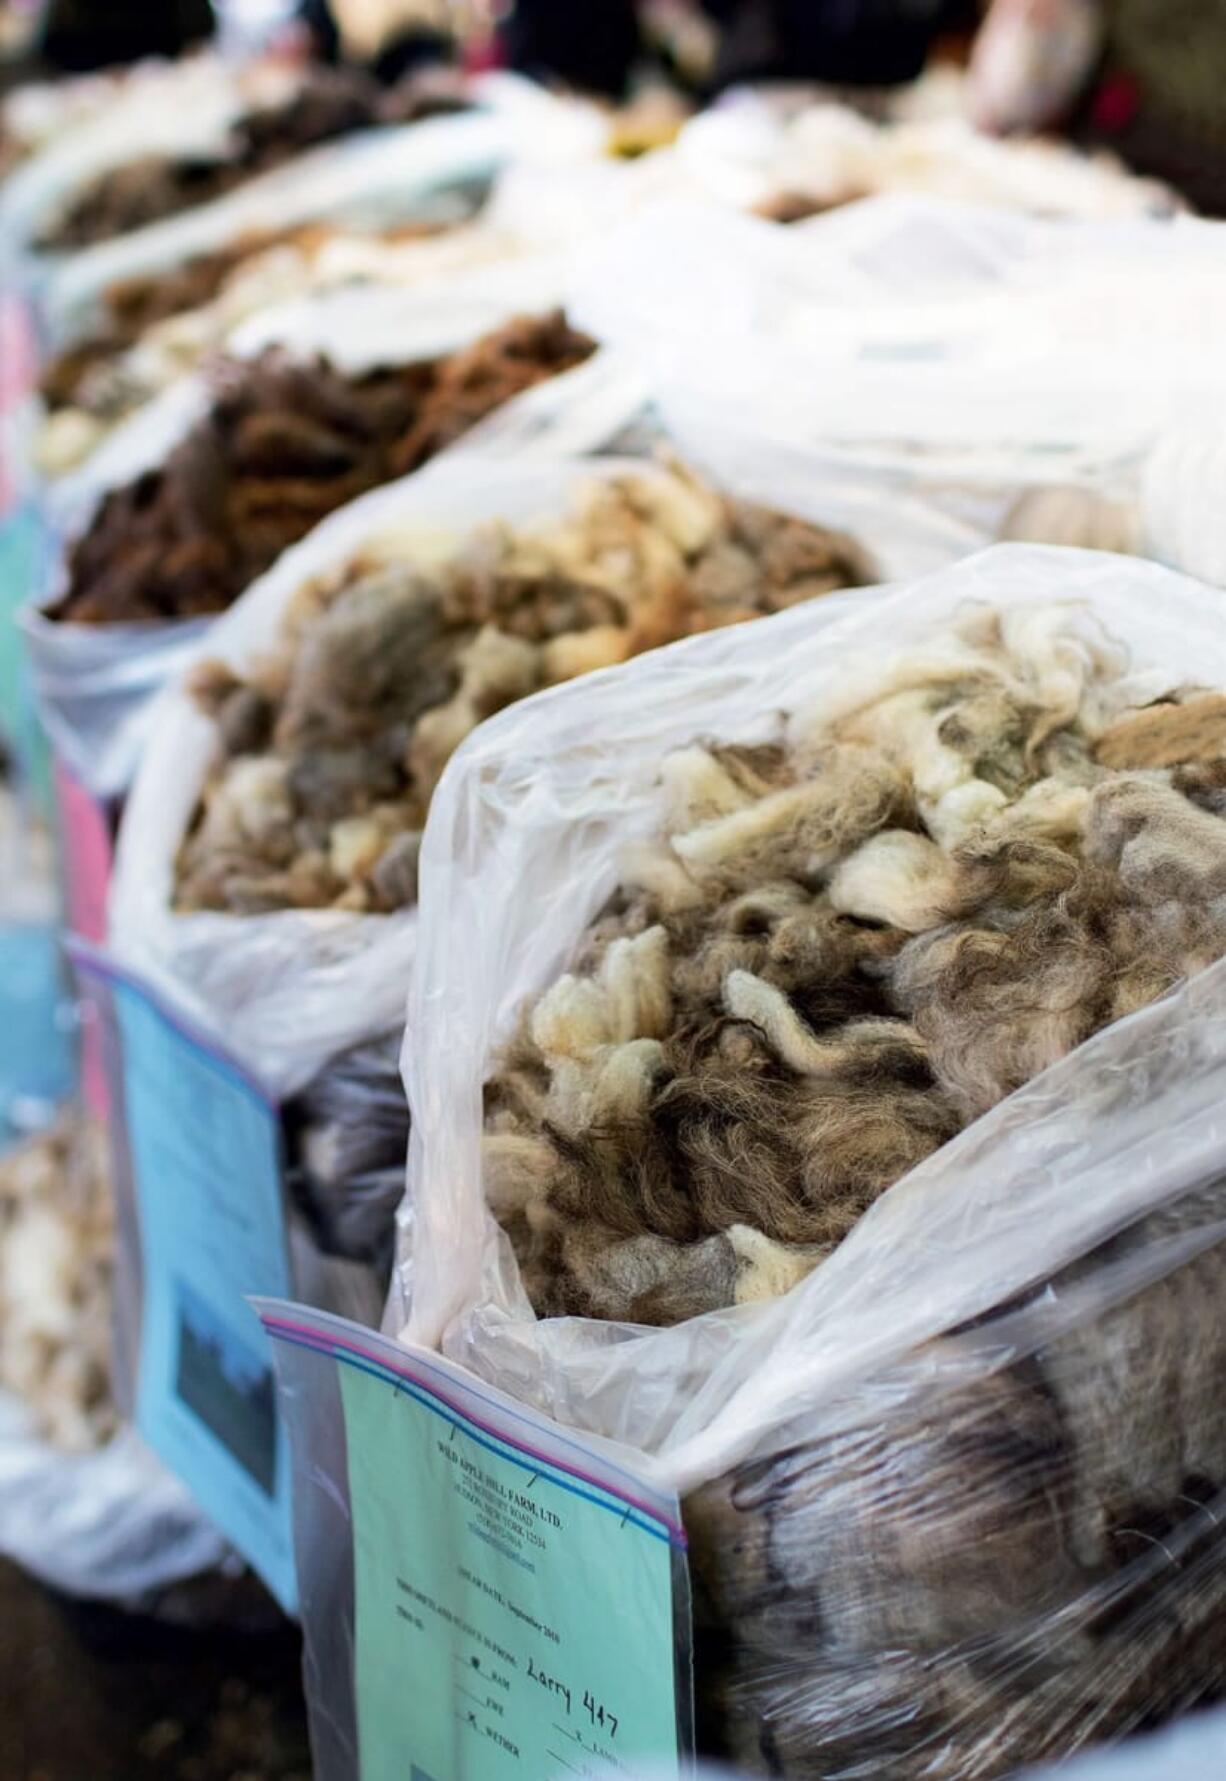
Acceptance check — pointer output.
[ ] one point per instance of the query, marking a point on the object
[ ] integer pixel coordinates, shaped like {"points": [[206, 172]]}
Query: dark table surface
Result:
{"points": [[90, 1694]]}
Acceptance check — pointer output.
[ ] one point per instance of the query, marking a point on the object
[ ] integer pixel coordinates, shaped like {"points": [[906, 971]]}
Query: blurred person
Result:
{"points": [[388, 37], [596, 45], [80, 35], [591, 45], [853, 43], [1146, 78]]}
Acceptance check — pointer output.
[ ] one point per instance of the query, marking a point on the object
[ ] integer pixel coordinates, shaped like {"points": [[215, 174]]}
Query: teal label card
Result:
{"points": [[520, 1597], [204, 1143]]}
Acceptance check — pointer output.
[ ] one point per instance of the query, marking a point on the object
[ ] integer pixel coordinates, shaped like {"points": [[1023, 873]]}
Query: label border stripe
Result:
{"points": [[338, 1338], [660, 1526]]}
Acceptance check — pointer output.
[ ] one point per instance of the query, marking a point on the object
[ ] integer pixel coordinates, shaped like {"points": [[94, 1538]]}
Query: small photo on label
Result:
{"points": [[228, 1386]]}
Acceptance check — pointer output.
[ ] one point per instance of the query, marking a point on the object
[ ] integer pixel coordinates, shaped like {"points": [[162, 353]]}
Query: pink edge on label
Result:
{"points": [[85, 835], [18, 352]]}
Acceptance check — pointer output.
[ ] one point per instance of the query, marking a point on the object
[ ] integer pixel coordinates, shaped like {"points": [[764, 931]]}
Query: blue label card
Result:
{"points": [[520, 1592], [36, 1052], [205, 1148]]}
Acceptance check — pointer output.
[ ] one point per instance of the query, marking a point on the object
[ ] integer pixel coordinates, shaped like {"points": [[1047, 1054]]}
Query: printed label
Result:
{"points": [[520, 1597], [204, 1146]]}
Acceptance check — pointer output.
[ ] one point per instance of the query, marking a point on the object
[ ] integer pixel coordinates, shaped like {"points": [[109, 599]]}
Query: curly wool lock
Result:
{"points": [[844, 948]]}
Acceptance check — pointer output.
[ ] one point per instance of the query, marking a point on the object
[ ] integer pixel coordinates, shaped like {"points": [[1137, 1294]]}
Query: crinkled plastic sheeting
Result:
{"points": [[953, 1501]]}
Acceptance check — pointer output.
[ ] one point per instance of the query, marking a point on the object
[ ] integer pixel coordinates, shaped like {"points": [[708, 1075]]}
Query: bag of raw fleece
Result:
{"points": [[1016, 371], [267, 864], [815, 1061], [161, 108], [199, 493], [431, 159], [181, 167], [129, 317]]}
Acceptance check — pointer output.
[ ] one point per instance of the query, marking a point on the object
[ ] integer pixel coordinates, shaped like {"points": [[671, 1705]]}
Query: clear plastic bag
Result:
{"points": [[1181, 511], [168, 108], [953, 1501], [93, 683], [347, 1134], [37, 113], [378, 176]]}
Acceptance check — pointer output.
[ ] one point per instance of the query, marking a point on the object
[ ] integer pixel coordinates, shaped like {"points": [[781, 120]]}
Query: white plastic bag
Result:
{"points": [[36, 113], [1181, 499], [94, 682], [957, 352], [83, 1506], [294, 988], [107, 1526]]}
